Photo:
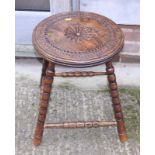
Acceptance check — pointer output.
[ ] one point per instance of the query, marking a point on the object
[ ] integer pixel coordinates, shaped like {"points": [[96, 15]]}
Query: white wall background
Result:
{"points": [[121, 11]]}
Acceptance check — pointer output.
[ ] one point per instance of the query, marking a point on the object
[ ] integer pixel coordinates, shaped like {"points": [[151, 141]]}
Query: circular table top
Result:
{"points": [[77, 39]]}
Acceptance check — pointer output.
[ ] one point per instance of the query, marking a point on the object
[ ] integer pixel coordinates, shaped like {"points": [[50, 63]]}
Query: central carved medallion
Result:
{"points": [[78, 32]]}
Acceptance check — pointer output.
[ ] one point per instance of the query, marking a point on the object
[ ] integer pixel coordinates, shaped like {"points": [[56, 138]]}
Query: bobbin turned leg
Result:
{"points": [[44, 100], [44, 67], [116, 102]]}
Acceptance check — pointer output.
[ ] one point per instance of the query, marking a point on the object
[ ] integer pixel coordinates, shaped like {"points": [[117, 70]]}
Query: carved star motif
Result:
{"points": [[78, 32]]}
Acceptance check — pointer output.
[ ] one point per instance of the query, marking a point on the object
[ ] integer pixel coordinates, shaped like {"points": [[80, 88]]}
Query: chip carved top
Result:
{"points": [[74, 39], [77, 32]]}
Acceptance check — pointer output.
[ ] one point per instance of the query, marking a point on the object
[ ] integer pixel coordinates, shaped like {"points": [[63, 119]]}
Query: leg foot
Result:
{"points": [[45, 90], [116, 102]]}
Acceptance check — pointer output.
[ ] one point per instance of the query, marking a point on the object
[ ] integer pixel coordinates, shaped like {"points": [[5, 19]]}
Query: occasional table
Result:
{"points": [[78, 40]]}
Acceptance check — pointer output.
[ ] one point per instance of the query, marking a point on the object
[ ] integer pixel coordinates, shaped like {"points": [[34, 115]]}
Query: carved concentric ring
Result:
{"points": [[86, 39]]}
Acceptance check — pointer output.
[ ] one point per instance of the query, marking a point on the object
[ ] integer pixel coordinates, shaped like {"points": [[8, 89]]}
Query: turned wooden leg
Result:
{"points": [[44, 67], [44, 101], [116, 102]]}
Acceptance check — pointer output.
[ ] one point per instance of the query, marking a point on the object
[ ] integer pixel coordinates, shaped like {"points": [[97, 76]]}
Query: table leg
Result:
{"points": [[116, 102], [45, 91], [44, 67]]}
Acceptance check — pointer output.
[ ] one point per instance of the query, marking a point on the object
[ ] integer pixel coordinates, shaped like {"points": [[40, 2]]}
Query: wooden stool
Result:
{"points": [[77, 39]]}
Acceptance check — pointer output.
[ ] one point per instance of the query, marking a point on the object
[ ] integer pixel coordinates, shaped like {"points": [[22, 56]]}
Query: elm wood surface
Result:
{"points": [[44, 100], [78, 74], [77, 39], [84, 124], [44, 66], [116, 102], [45, 90]]}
